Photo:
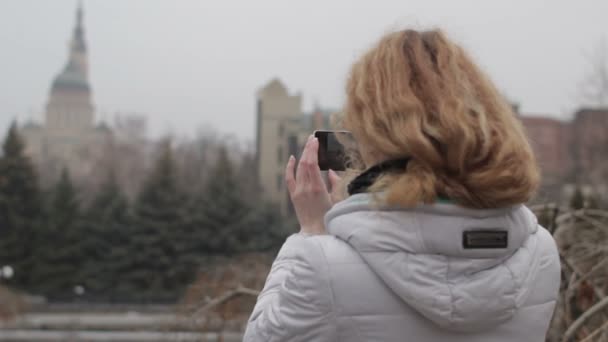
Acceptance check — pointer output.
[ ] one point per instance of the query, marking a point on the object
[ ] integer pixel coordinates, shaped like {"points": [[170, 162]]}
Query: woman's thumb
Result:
{"points": [[335, 188], [334, 179]]}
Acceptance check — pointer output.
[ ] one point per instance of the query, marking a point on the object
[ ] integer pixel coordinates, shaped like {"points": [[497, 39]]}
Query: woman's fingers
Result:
{"points": [[307, 189], [315, 172], [303, 171], [308, 175], [334, 179], [290, 175], [334, 183]]}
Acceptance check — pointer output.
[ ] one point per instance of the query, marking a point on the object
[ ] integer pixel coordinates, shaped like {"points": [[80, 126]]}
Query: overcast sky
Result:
{"points": [[190, 63]]}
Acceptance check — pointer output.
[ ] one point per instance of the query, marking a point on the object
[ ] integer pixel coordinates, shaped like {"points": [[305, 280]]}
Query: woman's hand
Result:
{"points": [[307, 190]]}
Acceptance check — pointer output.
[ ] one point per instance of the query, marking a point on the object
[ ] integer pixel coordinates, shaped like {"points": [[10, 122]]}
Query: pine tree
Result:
{"points": [[266, 229], [228, 215], [20, 209], [106, 242], [64, 203], [158, 223], [220, 210], [61, 258]]}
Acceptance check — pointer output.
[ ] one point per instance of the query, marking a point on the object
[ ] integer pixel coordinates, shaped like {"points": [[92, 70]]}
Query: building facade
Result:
{"points": [[68, 136], [590, 141], [572, 151], [551, 141], [282, 128]]}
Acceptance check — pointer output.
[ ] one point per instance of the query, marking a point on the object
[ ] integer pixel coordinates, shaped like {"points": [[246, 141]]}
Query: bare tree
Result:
{"points": [[582, 307], [594, 87], [126, 155], [589, 147]]}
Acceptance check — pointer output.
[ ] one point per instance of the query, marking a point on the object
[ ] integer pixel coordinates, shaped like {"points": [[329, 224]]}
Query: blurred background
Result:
{"points": [[144, 142]]}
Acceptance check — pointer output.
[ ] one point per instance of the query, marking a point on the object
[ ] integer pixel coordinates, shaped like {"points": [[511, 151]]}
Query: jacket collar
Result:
{"points": [[426, 229]]}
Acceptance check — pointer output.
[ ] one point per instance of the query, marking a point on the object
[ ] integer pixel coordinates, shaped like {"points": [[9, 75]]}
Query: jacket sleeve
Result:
{"points": [[296, 303]]}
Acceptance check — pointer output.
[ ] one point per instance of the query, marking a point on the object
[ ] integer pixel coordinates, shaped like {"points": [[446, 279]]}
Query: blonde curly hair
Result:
{"points": [[419, 95]]}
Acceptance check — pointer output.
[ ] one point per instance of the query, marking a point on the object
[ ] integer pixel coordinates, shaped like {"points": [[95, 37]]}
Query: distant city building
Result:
{"points": [[589, 131], [281, 130], [551, 141], [569, 149], [68, 137]]}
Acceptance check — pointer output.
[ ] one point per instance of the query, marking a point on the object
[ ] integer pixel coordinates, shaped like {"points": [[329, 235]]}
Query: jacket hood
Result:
{"points": [[420, 255]]}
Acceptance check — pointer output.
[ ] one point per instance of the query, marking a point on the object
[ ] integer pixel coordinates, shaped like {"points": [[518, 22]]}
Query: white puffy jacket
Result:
{"points": [[385, 274]]}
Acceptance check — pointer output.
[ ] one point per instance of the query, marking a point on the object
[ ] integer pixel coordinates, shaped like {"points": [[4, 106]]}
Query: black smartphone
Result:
{"points": [[332, 152]]}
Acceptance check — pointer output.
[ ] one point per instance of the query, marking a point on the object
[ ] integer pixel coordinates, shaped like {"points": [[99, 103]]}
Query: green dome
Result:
{"points": [[71, 78]]}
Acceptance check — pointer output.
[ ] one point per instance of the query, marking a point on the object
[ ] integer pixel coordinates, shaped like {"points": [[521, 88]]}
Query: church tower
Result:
{"points": [[69, 109], [68, 137]]}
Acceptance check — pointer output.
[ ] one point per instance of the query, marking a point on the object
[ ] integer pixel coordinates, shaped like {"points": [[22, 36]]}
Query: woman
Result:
{"points": [[434, 242]]}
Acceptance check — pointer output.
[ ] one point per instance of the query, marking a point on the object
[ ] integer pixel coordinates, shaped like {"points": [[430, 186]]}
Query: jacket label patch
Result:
{"points": [[485, 239]]}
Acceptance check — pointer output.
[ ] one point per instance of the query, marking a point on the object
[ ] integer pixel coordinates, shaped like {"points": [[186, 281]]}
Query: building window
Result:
{"points": [[279, 182], [280, 154], [292, 145]]}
